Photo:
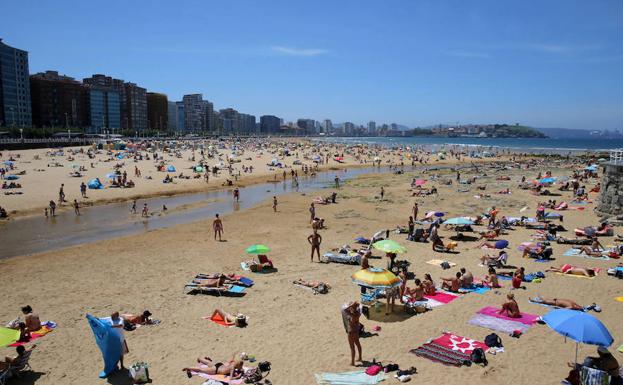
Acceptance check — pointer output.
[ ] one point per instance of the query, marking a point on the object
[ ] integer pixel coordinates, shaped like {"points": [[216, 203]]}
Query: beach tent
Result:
{"points": [[95, 184], [170, 168]]}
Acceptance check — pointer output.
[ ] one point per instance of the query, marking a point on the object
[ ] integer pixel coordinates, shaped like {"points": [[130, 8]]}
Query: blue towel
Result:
{"points": [[237, 289], [246, 281], [504, 278], [475, 289]]}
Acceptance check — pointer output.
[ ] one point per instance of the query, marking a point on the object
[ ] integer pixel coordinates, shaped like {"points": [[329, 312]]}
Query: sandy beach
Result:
{"points": [[299, 333]]}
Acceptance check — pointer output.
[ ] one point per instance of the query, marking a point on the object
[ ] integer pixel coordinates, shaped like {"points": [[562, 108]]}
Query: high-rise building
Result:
{"points": [[15, 102], [104, 111], [157, 111], [193, 112], [132, 100], [181, 118], [371, 128], [247, 124], [307, 126], [230, 121], [328, 126], [211, 122], [269, 124], [349, 128], [58, 101], [172, 116]]}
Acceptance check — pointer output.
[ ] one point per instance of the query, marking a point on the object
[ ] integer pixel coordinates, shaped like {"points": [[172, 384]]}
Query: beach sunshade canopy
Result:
{"points": [[579, 326], [547, 180], [111, 175], [389, 246], [375, 277], [8, 336], [458, 221], [257, 249], [501, 244], [419, 182]]}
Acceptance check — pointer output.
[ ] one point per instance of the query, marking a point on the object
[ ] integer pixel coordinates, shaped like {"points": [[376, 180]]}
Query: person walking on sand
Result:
{"points": [[76, 207], [217, 226], [237, 194], [61, 194], [275, 203], [133, 208], [52, 208], [83, 190], [350, 318], [382, 192], [315, 240], [145, 212], [312, 212]]}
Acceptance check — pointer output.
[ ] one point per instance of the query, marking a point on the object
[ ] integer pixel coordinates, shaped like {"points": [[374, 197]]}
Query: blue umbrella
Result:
{"points": [[579, 326], [8, 162], [458, 221], [501, 244], [111, 175]]}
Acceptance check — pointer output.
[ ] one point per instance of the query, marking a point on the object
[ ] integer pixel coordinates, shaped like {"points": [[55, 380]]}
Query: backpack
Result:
{"points": [[493, 341], [252, 375], [478, 357]]}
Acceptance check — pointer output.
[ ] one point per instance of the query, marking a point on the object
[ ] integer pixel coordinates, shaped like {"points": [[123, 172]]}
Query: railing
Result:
{"points": [[49, 140], [616, 156]]}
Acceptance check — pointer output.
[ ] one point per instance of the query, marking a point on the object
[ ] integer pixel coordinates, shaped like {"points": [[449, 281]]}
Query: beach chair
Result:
{"points": [[16, 368], [264, 261], [240, 280], [227, 290], [590, 376]]}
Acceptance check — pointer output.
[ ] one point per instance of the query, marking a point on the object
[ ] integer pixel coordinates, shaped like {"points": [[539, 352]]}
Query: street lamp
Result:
{"points": [[21, 134]]}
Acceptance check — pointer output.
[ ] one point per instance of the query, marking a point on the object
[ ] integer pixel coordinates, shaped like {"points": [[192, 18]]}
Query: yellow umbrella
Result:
{"points": [[375, 277]]}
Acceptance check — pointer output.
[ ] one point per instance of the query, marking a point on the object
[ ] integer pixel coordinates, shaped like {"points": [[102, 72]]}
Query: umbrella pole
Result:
{"points": [[576, 353]]}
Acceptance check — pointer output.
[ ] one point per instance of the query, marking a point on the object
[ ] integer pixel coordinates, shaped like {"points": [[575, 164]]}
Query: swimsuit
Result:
{"points": [[565, 268]]}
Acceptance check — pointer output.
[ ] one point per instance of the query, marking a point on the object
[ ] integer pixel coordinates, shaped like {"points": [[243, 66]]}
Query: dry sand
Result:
{"points": [[300, 333]]}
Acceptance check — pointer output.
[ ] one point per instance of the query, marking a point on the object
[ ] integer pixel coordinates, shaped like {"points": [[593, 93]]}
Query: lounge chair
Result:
{"points": [[353, 259], [239, 280], [16, 368], [226, 290]]}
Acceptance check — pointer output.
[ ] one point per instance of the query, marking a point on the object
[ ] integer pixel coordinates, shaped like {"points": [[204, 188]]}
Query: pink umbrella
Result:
{"points": [[419, 182]]}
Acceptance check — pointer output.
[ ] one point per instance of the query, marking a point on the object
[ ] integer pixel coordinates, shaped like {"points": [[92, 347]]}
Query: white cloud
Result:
{"points": [[299, 51]]}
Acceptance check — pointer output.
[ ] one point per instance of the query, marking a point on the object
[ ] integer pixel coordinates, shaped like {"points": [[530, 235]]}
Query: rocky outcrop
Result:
{"points": [[611, 195]]}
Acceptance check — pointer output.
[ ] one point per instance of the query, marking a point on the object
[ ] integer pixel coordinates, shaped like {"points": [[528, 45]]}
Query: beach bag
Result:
{"points": [[139, 373], [478, 357], [373, 370], [445, 265], [252, 375], [493, 341]]}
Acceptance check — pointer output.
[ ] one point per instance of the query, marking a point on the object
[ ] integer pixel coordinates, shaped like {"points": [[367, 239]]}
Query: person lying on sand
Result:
{"points": [[231, 368], [142, 319], [564, 303], [574, 270], [230, 319], [486, 245], [312, 284], [510, 307], [227, 278], [451, 284]]}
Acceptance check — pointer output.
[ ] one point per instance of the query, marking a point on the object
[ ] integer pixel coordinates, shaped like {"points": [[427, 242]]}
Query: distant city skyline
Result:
{"points": [[542, 64]]}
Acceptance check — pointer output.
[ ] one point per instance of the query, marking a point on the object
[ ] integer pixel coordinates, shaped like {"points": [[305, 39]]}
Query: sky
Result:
{"points": [[543, 63]]}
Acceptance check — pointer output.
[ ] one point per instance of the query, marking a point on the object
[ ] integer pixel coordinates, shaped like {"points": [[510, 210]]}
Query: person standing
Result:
{"points": [[145, 212], [76, 207], [415, 211], [133, 208], [382, 192], [83, 190], [312, 212], [217, 226], [337, 181], [237, 194], [275, 203], [52, 208], [315, 240], [350, 318], [61, 194], [117, 323]]}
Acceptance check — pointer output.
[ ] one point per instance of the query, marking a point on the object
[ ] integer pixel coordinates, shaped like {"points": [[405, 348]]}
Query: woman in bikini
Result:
{"points": [[429, 285], [491, 279], [573, 270], [231, 368]]}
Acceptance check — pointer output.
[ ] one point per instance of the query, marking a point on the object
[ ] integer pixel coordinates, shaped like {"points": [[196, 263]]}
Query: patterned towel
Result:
{"points": [[449, 349]]}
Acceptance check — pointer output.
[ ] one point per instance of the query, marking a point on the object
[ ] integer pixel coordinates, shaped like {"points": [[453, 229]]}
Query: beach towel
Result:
{"points": [[442, 297], [351, 258], [358, 377], [218, 319], [576, 253], [438, 262], [489, 318], [219, 377], [46, 327], [575, 276], [504, 277], [474, 289], [449, 349]]}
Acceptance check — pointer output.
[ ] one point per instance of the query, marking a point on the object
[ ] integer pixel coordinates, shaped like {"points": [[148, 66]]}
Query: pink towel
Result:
{"points": [[527, 319], [442, 297]]}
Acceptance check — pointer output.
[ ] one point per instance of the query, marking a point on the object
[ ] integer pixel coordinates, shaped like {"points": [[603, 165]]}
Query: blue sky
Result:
{"points": [[543, 63]]}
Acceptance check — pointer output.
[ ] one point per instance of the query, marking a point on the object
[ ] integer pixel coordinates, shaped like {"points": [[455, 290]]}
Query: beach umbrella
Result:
{"points": [[553, 215], [8, 336], [437, 214], [420, 182], [458, 221], [111, 175], [389, 246], [257, 249], [8, 162], [11, 177], [501, 244], [376, 278], [581, 327], [592, 167]]}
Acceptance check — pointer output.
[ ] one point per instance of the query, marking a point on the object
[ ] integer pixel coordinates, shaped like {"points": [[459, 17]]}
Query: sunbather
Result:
{"points": [[231, 368], [451, 284], [467, 278], [142, 319], [211, 282], [207, 278], [31, 319], [510, 307], [486, 245], [230, 319], [574, 270], [499, 260], [21, 351], [416, 293], [491, 279], [594, 250], [313, 284], [564, 303], [429, 285]]}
